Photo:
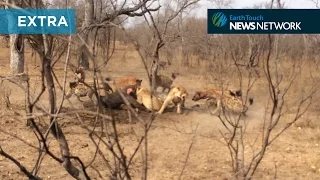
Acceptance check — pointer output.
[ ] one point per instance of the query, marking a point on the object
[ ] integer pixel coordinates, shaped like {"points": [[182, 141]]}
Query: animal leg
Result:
{"points": [[164, 105], [214, 111], [163, 89], [79, 99], [245, 109], [134, 103], [93, 98], [69, 94], [90, 93], [179, 111], [183, 101]]}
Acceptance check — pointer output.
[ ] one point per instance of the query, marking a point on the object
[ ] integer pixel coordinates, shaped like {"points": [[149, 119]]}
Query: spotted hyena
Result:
{"points": [[80, 89], [229, 100]]}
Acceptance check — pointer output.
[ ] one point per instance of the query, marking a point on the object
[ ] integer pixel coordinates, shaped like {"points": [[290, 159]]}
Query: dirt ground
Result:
{"points": [[295, 155]]}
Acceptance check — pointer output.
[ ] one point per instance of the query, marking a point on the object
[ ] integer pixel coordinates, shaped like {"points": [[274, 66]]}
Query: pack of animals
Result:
{"points": [[140, 97]]}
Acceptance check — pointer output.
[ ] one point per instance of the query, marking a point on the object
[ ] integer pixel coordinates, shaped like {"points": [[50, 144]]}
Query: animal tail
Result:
{"points": [[251, 100], [107, 79], [173, 76]]}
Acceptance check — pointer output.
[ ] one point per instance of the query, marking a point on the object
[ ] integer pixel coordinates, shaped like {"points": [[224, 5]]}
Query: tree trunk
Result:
{"points": [[17, 53], [56, 131], [88, 18], [16, 48], [155, 65]]}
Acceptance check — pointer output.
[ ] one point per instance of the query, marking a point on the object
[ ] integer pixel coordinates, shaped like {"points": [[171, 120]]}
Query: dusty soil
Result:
{"points": [[295, 155]]}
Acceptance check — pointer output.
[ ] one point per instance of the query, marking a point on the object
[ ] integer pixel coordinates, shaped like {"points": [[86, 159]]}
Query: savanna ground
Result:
{"points": [[295, 155]]}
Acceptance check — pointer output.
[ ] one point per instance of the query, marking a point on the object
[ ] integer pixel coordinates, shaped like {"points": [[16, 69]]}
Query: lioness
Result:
{"points": [[176, 96], [143, 97]]}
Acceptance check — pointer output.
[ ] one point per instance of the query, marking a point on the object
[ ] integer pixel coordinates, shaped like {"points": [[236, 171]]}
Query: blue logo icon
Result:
{"points": [[219, 19]]}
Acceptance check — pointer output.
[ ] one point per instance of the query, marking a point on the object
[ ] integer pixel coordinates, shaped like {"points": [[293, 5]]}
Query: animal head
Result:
{"points": [[107, 87], [199, 95], [183, 91], [79, 73], [237, 93], [163, 64], [174, 75], [73, 84], [107, 79], [138, 82], [131, 90], [79, 69]]}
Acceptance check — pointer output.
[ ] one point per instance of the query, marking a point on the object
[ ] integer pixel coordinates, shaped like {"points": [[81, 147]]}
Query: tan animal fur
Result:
{"points": [[176, 96], [143, 97]]}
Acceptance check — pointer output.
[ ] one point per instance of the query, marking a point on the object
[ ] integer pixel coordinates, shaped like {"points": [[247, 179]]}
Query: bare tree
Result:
{"points": [[88, 19], [161, 33], [16, 46], [223, 3], [102, 21]]}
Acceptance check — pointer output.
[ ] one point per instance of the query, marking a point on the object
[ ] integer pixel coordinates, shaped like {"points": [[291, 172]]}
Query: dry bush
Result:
{"points": [[4, 96]]}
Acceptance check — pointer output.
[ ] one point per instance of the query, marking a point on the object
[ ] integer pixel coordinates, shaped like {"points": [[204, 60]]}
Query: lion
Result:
{"points": [[143, 97], [176, 96], [230, 100]]}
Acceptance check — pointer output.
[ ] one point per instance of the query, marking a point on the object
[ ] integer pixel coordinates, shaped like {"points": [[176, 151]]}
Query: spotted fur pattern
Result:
{"points": [[164, 81], [79, 89], [229, 100]]}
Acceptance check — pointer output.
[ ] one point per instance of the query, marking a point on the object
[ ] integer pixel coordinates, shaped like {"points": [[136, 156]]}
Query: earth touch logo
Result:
{"points": [[219, 19], [263, 21]]}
